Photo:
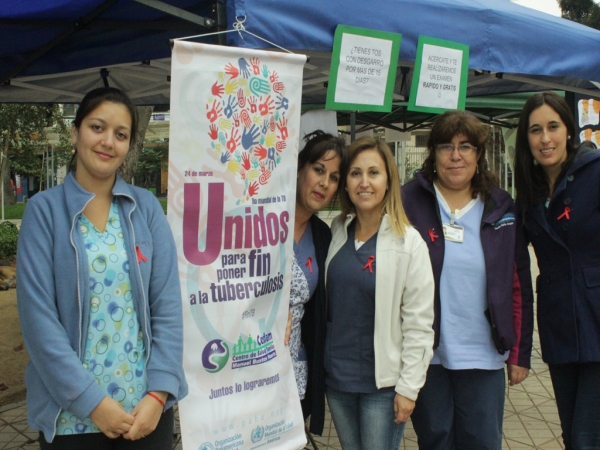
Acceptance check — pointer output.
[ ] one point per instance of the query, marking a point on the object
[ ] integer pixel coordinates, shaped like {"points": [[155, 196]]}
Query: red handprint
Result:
{"points": [[246, 118], [214, 132], [280, 146], [255, 63], [273, 77], [278, 86], [272, 124], [266, 107], [217, 89], [215, 112], [236, 119], [231, 70], [241, 98], [260, 151], [234, 140], [246, 161], [282, 126], [253, 189], [252, 102], [264, 177]]}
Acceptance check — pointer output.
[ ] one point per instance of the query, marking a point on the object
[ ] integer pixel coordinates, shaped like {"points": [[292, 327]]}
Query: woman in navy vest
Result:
{"points": [[483, 297], [558, 196], [380, 305], [320, 164]]}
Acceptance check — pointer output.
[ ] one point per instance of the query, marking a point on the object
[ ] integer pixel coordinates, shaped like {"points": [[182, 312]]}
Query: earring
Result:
{"points": [[569, 137], [477, 169], [434, 169], [73, 150], [535, 163], [123, 164]]}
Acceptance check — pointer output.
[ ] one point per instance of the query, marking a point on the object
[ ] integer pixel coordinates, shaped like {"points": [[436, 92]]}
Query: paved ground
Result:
{"points": [[530, 417]]}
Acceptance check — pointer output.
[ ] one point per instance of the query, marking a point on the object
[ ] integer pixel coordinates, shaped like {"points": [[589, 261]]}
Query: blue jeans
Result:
{"points": [[460, 409], [365, 421], [577, 391]]}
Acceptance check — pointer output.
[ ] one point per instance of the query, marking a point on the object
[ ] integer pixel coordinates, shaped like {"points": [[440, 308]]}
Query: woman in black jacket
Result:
{"points": [[320, 165]]}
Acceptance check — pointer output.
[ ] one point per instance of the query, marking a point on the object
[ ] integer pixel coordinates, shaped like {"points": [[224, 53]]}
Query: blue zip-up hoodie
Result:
{"points": [[54, 301], [507, 265]]}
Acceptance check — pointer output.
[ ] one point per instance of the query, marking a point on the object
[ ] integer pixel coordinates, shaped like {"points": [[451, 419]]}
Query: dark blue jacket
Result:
{"points": [[313, 333], [508, 275], [566, 240]]}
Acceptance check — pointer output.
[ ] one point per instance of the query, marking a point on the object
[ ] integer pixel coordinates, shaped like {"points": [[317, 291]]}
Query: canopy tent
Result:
{"points": [[56, 51]]}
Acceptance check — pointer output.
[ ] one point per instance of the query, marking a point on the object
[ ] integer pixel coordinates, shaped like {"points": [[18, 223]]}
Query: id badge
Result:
{"points": [[453, 233]]}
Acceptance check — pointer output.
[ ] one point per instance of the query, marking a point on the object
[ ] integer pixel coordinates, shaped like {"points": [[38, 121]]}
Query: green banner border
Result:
{"points": [[464, 74], [335, 63]]}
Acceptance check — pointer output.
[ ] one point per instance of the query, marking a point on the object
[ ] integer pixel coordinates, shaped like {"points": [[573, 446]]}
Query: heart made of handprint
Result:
{"points": [[248, 127]]}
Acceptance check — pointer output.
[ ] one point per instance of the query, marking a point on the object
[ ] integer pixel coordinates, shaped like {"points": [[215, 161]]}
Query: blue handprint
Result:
{"points": [[231, 106], [249, 137], [265, 127], [224, 157], [271, 158], [282, 102], [265, 71], [244, 68]]}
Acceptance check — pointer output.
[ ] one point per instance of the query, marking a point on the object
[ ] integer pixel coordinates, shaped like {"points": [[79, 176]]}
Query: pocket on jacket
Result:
{"points": [[592, 276]]}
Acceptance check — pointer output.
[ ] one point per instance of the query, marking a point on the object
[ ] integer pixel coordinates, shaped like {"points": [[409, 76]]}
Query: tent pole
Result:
{"points": [[352, 126]]}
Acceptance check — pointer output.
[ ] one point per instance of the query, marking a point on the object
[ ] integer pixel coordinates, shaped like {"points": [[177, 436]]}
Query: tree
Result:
{"points": [[585, 12], [23, 132], [131, 161]]}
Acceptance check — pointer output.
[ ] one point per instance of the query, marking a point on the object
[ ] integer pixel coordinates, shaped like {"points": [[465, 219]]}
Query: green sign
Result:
{"points": [[440, 76], [363, 69]]}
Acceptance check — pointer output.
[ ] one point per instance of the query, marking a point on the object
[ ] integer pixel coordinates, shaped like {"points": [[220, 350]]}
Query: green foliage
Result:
{"points": [[23, 131], [150, 162], [14, 211], [585, 12], [9, 235]]}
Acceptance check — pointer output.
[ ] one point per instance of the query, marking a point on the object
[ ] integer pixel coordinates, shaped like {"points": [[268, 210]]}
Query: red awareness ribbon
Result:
{"points": [[565, 214], [140, 257], [432, 234], [369, 263], [309, 264]]}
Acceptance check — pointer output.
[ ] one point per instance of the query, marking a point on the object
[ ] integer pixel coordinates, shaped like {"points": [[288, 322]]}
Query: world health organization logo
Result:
{"points": [[257, 434], [206, 446], [215, 355]]}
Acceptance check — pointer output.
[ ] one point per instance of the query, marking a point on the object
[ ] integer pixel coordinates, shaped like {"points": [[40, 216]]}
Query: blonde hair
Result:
{"points": [[392, 202]]}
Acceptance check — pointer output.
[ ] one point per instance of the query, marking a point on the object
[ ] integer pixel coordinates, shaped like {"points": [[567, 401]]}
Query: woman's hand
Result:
{"points": [[110, 417], [288, 329], [516, 374], [147, 414], [403, 408]]}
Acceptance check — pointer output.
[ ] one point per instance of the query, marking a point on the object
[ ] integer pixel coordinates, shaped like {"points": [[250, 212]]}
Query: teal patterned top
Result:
{"points": [[114, 349]]}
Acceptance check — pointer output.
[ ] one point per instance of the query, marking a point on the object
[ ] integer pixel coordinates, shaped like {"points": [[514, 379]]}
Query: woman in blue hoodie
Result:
{"points": [[99, 298], [558, 194]]}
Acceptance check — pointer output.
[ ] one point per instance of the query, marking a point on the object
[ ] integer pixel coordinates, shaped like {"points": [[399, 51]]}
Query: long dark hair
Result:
{"points": [[318, 143], [531, 181], [95, 98], [450, 124]]}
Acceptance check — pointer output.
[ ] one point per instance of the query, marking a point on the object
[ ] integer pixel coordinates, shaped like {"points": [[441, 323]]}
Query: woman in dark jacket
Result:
{"points": [[320, 165], [558, 196], [483, 296]]}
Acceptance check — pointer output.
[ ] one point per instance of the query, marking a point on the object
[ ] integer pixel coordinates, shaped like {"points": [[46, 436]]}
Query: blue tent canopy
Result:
{"points": [[56, 51]]}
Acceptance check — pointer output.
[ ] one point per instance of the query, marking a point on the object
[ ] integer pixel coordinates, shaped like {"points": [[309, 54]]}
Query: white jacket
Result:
{"points": [[404, 290]]}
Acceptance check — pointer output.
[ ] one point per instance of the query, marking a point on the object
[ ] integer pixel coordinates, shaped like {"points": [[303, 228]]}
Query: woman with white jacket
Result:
{"points": [[380, 305]]}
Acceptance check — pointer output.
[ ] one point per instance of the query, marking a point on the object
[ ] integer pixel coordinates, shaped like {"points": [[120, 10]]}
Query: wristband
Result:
{"points": [[153, 395]]}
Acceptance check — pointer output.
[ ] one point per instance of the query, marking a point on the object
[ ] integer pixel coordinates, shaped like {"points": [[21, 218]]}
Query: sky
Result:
{"points": [[547, 6]]}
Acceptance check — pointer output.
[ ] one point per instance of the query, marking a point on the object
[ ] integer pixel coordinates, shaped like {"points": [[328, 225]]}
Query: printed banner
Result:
{"points": [[440, 76], [235, 116], [588, 114], [363, 69]]}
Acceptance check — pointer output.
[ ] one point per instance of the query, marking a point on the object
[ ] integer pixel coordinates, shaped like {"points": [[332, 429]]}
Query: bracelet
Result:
{"points": [[153, 395]]}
